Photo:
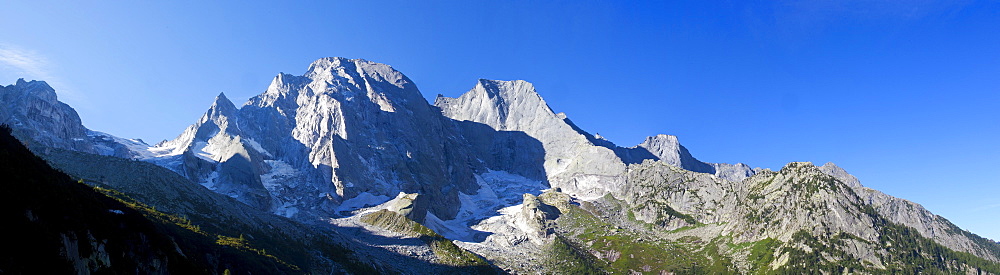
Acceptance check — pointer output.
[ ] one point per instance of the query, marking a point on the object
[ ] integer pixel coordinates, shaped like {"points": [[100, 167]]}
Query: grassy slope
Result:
{"points": [[447, 252]]}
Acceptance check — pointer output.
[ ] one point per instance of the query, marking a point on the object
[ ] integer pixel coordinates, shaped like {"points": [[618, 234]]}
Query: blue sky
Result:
{"points": [[903, 95]]}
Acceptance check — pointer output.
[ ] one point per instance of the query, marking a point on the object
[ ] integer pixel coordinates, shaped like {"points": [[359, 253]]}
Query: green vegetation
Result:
{"points": [[991, 246], [824, 254], [908, 253], [689, 227], [447, 252], [620, 251], [150, 212], [396, 222], [568, 258], [912, 253], [761, 254], [670, 212]]}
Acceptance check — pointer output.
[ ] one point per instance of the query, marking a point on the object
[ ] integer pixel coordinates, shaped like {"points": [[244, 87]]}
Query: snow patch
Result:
{"points": [[211, 181], [280, 172], [453, 229], [200, 150], [498, 191], [363, 200], [286, 209], [256, 146], [140, 149]]}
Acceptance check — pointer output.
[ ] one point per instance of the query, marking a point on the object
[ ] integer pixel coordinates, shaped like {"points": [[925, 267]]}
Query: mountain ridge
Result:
{"points": [[497, 170]]}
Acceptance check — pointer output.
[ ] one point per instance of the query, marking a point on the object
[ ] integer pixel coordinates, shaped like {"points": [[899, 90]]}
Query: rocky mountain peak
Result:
{"points": [[218, 120], [840, 174], [221, 99], [668, 149], [355, 72], [221, 107], [35, 88], [506, 88], [661, 142], [36, 114], [661, 138], [798, 166], [500, 104], [282, 84]]}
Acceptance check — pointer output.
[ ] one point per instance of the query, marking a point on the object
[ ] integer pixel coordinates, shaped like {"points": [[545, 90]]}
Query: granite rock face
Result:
{"points": [[344, 129], [33, 111], [914, 215], [214, 153], [667, 149], [571, 162]]}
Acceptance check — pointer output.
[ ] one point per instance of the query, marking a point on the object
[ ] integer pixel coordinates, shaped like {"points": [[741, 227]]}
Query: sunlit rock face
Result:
{"points": [[349, 127], [571, 161]]}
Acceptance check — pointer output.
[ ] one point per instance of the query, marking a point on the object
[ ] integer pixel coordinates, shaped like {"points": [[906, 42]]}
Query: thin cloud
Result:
{"points": [[21, 62], [987, 207], [17, 63]]}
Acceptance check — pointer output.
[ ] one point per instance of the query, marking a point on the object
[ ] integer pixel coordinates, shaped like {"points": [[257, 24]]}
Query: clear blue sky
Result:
{"points": [[903, 94]]}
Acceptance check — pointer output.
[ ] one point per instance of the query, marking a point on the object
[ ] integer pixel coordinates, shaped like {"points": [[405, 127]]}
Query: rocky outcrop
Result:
{"points": [[36, 115], [535, 219], [840, 174], [666, 148]]}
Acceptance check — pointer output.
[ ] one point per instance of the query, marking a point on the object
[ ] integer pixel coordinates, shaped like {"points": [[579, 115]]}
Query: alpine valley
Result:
{"points": [[348, 169]]}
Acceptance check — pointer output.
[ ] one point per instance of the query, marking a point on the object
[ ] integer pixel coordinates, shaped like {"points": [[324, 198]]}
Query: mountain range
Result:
{"points": [[348, 169]]}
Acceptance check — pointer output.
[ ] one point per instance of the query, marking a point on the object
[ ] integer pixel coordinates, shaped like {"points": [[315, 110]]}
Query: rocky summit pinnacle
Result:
{"points": [[669, 150]]}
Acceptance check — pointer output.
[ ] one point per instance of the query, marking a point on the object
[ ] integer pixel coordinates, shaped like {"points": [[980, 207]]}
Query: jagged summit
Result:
{"points": [[34, 111], [220, 112], [218, 119], [331, 130], [222, 98], [833, 170], [500, 104], [36, 88], [356, 73], [668, 149]]}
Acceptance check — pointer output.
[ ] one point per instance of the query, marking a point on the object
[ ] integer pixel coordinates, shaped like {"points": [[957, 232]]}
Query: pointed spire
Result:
{"points": [[223, 103]]}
